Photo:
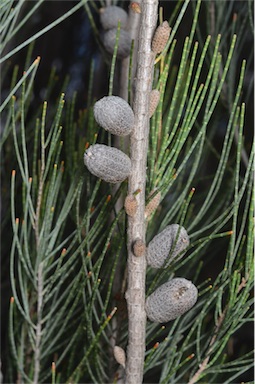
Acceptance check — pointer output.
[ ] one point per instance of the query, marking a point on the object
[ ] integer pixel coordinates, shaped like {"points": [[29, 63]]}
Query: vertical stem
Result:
{"points": [[41, 180], [133, 30], [135, 294], [39, 323], [39, 263], [123, 143]]}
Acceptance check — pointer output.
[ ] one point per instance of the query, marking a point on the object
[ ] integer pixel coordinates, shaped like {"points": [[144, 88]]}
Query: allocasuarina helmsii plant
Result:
{"points": [[115, 115], [167, 185]]}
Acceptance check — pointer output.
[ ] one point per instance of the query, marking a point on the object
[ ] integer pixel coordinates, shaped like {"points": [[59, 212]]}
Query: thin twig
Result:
{"points": [[41, 181], [204, 363], [220, 320], [133, 29], [135, 294], [39, 323], [38, 336]]}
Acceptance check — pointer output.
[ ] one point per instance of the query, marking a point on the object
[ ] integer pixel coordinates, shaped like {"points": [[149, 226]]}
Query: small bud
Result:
{"points": [[167, 246], [154, 100], [120, 355], [115, 115], [160, 37], [130, 205], [171, 300], [108, 163], [124, 45], [152, 205], [111, 16], [136, 8], [139, 248]]}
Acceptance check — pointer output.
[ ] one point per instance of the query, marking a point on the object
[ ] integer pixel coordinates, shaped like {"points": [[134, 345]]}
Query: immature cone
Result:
{"points": [[110, 16], [124, 45], [160, 37], [154, 100], [130, 205], [152, 204], [171, 300], [167, 246], [120, 355], [107, 163], [115, 115], [139, 248]]}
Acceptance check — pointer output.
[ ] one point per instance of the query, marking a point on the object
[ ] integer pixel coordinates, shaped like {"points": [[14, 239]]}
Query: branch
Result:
{"points": [[204, 363], [133, 29], [38, 337], [135, 294]]}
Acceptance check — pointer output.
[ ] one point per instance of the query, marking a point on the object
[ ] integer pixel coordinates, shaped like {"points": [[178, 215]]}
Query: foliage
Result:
{"points": [[64, 237]]}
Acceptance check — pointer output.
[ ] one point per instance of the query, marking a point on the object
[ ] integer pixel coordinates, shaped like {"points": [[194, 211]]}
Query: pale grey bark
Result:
{"points": [[135, 294]]}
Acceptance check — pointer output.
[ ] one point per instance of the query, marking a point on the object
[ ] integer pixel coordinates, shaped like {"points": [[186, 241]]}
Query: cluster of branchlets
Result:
{"points": [[115, 115]]}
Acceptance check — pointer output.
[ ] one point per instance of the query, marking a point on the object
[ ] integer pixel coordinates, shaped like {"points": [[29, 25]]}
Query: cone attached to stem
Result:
{"points": [[171, 300]]}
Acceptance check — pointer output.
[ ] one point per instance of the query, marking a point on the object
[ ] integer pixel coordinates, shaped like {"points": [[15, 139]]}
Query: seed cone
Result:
{"points": [[110, 16], [167, 246], [108, 163], [124, 45], [115, 115], [160, 37], [171, 300]]}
